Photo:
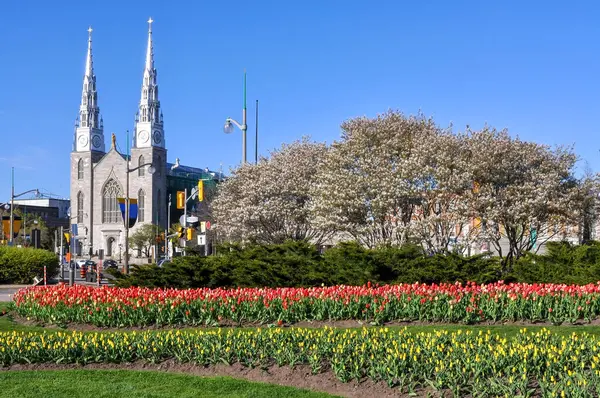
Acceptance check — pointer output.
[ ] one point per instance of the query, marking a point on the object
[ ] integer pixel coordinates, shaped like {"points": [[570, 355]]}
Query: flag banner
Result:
{"points": [[133, 210], [6, 226]]}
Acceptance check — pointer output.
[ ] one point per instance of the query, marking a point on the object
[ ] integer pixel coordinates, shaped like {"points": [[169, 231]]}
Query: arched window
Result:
{"points": [[80, 169], [141, 169], [80, 208], [141, 205], [110, 208]]}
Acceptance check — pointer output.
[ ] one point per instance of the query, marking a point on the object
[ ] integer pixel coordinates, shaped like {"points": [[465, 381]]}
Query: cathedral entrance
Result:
{"points": [[110, 243]]}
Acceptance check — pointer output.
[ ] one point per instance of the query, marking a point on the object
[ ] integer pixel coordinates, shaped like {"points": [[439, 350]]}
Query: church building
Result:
{"points": [[99, 175]]}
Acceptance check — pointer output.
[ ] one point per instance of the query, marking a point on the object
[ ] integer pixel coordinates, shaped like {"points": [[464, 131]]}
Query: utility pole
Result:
{"points": [[62, 263], [184, 217], [12, 204], [167, 230]]}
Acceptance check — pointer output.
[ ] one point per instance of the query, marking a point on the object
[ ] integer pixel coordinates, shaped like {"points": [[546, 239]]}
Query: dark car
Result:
{"points": [[109, 264], [90, 265]]}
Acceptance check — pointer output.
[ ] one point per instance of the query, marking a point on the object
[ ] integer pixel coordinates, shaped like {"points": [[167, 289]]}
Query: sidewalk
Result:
{"points": [[14, 286]]}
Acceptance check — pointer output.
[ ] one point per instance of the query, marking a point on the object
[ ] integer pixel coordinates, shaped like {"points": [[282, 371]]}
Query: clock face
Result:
{"points": [[96, 141], [83, 140], [144, 136], [157, 137]]}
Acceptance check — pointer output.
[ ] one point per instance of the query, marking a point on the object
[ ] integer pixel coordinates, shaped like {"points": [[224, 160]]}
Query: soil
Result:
{"points": [[303, 324], [299, 377]]}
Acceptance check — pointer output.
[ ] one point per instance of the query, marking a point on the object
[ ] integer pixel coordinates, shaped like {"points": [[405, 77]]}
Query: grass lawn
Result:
{"points": [[133, 384], [8, 325]]}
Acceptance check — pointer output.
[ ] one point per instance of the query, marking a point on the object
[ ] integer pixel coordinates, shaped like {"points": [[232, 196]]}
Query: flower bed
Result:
{"points": [[481, 363], [451, 303]]}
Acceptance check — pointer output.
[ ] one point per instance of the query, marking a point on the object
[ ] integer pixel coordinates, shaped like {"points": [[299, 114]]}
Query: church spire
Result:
{"points": [[149, 49], [149, 124], [89, 63], [89, 132]]}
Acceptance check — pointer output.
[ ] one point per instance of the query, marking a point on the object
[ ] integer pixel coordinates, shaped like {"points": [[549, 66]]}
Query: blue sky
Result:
{"points": [[530, 66]]}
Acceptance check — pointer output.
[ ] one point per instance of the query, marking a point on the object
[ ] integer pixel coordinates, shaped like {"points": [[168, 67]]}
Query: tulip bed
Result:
{"points": [[481, 364], [451, 303]]}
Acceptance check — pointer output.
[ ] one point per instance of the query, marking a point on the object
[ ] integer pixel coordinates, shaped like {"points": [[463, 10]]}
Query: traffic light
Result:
{"points": [[200, 191], [180, 232], [180, 199], [190, 234]]}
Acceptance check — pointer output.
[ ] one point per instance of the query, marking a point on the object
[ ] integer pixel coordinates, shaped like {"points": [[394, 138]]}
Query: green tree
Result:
{"points": [[144, 238]]}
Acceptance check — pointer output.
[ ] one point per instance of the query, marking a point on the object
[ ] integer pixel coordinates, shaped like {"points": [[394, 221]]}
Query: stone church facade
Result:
{"points": [[98, 175]]}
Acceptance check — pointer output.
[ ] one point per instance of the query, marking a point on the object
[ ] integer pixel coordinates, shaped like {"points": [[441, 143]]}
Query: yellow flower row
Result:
{"points": [[465, 362]]}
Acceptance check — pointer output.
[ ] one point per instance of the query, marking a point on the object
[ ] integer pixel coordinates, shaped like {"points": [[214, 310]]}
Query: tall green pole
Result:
{"points": [[244, 124], [126, 265], [12, 205]]}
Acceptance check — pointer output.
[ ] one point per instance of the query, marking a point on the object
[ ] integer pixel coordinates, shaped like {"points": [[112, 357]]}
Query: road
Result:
{"points": [[6, 293]]}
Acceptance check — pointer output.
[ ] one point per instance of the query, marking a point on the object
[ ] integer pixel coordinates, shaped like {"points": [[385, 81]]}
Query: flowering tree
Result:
{"points": [[269, 202], [443, 212], [522, 190], [381, 176]]}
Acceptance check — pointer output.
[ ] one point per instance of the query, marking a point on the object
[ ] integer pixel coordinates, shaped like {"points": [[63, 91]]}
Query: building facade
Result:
{"points": [[54, 212], [99, 175]]}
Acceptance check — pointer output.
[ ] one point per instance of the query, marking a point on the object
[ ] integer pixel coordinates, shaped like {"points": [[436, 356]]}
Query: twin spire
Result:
{"points": [[89, 112]]}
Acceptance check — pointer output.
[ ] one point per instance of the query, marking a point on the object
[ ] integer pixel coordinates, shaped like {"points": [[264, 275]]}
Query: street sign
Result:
{"points": [[74, 229], [201, 239], [192, 221], [208, 225]]}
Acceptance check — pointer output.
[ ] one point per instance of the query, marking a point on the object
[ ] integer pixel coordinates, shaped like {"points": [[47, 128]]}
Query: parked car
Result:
{"points": [[109, 264], [89, 265], [80, 263]]}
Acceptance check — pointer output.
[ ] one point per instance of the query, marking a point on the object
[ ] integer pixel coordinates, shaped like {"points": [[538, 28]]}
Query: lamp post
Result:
{"points": [[151, 171], [12, 202], [228, 128]]}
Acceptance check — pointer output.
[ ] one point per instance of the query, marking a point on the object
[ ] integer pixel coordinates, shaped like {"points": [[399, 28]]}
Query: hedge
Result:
{"points": [[299, 264], [21, 265]]}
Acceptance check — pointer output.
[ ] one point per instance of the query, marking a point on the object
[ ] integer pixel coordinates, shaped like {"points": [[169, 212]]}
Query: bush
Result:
{"points": [[21, 265], [299, 264], [562, 263]]}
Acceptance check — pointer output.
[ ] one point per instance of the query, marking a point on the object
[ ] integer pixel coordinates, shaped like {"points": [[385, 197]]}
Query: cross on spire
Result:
{"points": [[150, 20]]}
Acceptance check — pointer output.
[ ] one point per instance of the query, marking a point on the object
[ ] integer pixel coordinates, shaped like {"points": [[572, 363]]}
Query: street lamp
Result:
{"points": [[12, 202], [151, 170], [228, 127]]}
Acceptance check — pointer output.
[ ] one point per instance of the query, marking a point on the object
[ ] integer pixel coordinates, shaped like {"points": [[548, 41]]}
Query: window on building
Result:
{"points": [[158, 166], [110, 208], [141, 169], [141, 205], [80, 169], [80, 208]]}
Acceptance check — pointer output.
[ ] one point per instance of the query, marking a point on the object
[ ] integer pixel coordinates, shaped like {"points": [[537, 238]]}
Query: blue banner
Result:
{"points": [[133, 210]]}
